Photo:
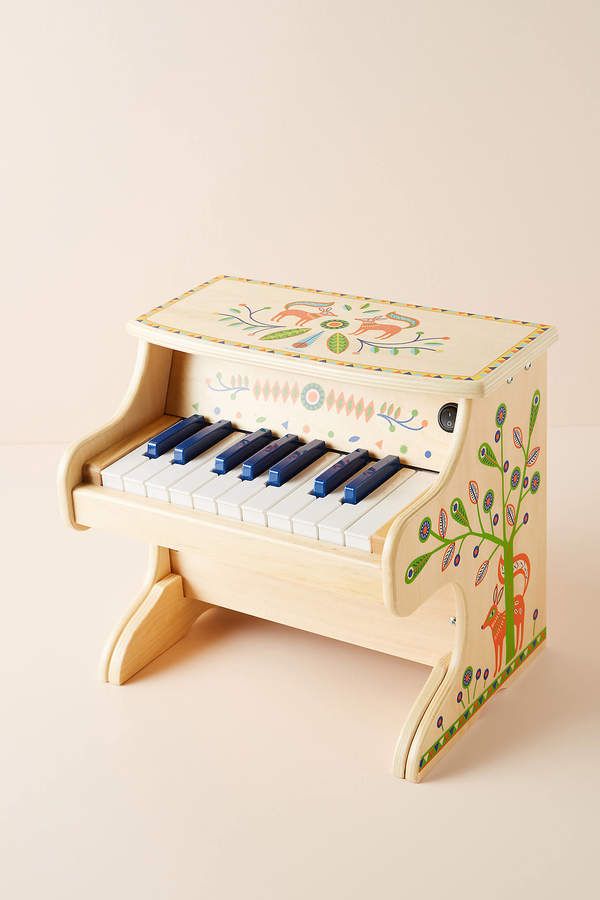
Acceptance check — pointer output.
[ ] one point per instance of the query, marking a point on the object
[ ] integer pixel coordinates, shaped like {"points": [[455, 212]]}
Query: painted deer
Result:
{"points": [[386, 328], [496, 618], [304, 311]]}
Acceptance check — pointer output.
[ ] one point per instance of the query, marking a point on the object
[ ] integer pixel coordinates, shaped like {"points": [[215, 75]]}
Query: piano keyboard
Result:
{"points": [[279, 483]]}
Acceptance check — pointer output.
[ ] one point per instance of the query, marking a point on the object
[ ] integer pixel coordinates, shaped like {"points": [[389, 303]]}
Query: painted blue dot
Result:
{"points": [[217, 410], [427, 454], [354, 438]]}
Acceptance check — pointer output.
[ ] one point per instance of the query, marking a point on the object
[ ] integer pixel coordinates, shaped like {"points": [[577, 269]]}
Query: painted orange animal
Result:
{"points": [[304, 311], [496, 618], [387, 328]]}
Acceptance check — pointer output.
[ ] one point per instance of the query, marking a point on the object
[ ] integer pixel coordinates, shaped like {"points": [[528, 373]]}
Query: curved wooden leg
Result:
{"points": [[419, 708], [160, 616], [467, 685]]}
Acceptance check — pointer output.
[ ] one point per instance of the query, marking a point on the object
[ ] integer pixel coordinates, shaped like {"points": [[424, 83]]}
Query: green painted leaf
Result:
{"points": [[458, 512], [348, 307], [337, 343], [417, 566], [286, 333], [487, 456], [535, 408]]}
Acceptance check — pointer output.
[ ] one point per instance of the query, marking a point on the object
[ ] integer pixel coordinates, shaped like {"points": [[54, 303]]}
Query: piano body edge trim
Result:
{"points": [[144, 402]]}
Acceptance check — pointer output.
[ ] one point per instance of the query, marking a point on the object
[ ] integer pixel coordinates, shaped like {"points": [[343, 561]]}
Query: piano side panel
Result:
{"points": [[479, 549], [346, 416], [144, 402], [477, 426]]}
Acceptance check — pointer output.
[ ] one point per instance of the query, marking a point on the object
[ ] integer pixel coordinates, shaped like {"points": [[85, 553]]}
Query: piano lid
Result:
{"points": [[409, 346]]}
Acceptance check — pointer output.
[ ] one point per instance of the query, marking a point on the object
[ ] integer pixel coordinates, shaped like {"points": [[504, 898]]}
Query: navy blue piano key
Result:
{"points": [[294, 462], [172, 435], [344, 468], [198, 443], [268, 456], [237, 453], [365, 483]]}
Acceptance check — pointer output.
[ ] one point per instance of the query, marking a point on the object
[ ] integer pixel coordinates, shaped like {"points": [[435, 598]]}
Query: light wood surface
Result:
{"points": [[144, 402], [287, 327]]}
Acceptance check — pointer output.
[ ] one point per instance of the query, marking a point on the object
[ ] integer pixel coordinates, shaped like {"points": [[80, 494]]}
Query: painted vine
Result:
{"points": [[493, 526]]}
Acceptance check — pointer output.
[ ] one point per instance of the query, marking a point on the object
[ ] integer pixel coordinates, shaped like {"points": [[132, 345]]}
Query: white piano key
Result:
{"points": [[158, 486], [281, 514], [359, 534], [332, 528], [180, 494], [256, 508], [134, 482], [112, 476], [206, 495], [230, 503], [306, 521]]}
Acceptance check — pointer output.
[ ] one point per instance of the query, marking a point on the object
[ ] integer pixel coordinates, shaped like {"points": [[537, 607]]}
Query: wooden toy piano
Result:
{"points": [[364, 469]]}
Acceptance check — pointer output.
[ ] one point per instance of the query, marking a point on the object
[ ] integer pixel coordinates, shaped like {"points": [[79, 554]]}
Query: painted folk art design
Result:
{"points": [[305, 323], [487, 525], [343, 330], [492, 528]]}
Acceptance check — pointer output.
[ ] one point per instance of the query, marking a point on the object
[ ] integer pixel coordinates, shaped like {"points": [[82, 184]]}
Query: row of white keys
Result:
{"points": [[333, 526], [359, 534], [112, 476], [257, 508], [239, 498], [159, 485], [181, 493]]}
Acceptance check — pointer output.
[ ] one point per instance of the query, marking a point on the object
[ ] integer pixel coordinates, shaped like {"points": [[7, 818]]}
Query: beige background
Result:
{"points": [[440, 153]]}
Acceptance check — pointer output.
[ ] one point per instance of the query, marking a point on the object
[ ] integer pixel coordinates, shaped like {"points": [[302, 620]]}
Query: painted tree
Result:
{"points": [[499, 518]]}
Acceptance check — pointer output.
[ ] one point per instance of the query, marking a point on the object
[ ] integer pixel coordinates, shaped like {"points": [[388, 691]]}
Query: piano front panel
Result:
{"points": [[346, 416]]}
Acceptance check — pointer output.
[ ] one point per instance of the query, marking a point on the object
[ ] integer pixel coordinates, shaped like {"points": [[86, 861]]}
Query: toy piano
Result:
{"points": [[369, 470]]}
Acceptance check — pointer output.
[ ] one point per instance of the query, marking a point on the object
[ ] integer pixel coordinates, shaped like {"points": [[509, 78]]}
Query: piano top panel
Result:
{"points": [[408, 346]]}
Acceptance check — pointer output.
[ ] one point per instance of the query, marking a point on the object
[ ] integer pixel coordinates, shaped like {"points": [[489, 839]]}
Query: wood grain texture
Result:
{"points": [[143, 403], [160, 617]]}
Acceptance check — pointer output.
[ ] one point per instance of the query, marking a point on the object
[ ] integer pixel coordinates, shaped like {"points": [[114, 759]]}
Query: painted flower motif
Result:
{"points": [[486, 674], [506, 464], [425, 529], [525, 481], [459, 697], [501, 415], [440, 721], [475, 551], [515, 477], [496, 519], [312, 396], [477, 674], [535, 482], [525, 518], [473, 491], [467, 676], [457, 559], [536, 613], [334, 323], [497, 436], [488, 500]]}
